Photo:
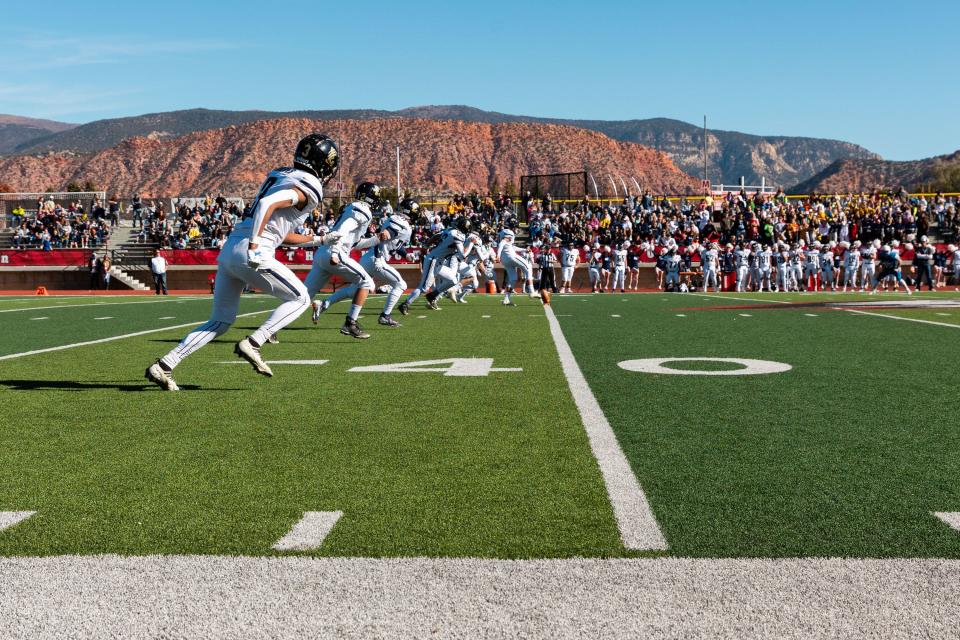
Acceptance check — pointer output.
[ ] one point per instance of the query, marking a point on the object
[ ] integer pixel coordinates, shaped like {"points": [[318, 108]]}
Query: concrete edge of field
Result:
{"points": [[293, 597]]}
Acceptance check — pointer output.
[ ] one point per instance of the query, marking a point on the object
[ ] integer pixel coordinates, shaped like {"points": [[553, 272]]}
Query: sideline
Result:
{"points": [[884, 315]]}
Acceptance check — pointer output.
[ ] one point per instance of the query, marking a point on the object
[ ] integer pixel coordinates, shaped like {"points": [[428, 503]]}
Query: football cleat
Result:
{"points": [[318, 308], [353, 329], [387, 321], [160, 377], [404, 308], [509, 303], [251, 354], [273, 339]]}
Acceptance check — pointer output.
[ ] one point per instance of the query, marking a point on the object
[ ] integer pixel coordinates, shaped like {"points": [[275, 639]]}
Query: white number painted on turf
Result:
{"points": [[464, 367], [749, 367]]}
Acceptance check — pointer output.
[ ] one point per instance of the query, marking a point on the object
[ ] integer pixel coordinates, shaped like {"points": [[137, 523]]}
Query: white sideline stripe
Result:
{"points": [[951, 518], [638, 526], [884, 315], [91, 304], [112, 338], [310, 532], [302, 362], [11, 518], [734, 298]]}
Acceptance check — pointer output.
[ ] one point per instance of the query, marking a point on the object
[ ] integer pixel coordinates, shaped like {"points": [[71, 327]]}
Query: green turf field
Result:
{"points": [[845, 454]]}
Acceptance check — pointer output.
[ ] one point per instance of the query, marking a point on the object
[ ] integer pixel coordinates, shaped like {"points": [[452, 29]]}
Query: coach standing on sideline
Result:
{"points": [[546, 261], [923, 264], [158, 265]]}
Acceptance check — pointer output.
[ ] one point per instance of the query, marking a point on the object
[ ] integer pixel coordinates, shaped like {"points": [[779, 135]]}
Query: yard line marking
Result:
{"points": [[943, 314], [951, 519], [484, 316], [11, 518], [635, 520], [41, 318], [105, 318], [615, 315], [91, 304], [112, 338], [168, 318], [811, 315], [745, 315], [885, 315], [315, 363], [310, 532]]}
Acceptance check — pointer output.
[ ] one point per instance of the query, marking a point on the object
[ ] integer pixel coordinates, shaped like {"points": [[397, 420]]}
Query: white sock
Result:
{"points": [[341, 294], [354, 312], [281, 317], [193, 341], [392, 298]]}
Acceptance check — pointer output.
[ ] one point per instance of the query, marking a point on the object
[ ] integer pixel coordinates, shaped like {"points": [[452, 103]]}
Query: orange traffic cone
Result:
{"points": [[41, 290]]}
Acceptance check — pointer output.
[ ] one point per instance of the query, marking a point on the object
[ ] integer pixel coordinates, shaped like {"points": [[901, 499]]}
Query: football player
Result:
{"points": [[334, 258], [392, 237], [633, 264], [742, 256], [710, 259], [851, 264], [513, 261], [620, 267], [596, 260], [285, 200], [673, 263], [764, 263], [811, 266], [569, 256], [826, 267], [441, 265], [868, 265], [890, 267]]}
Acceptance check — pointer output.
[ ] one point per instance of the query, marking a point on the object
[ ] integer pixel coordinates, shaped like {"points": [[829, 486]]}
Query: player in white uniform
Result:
{"points": [[596, 260], [954, 254], [512, 260], [440, 266], [710, 259], [477, 254], [782, 259], [620, 267], [851, 264], [868, 265], [764, 263], [334, 259], [569, 256], [826, 268], [811, 267], [393, 236], [673, 263], [742, 257], [285, 200]]}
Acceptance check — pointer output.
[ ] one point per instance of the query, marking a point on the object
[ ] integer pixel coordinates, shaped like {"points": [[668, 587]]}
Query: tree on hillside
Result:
{"points": [[5, 188]]}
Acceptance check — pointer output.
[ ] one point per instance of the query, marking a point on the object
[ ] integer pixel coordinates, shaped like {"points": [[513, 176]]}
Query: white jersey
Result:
{"points": [[813, 258], [506, 246], [673, 264], [710, 260], [285, 220], [450, 245], [764, 259], [868, 255], [956, 260], [851, 259], [400, 232], [826, 260], [742, 257], [620, 258], [568, 257], [352, 225]]}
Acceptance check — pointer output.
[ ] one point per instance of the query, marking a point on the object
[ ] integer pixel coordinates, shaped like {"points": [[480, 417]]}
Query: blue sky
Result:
{"points": [[878, 74]]}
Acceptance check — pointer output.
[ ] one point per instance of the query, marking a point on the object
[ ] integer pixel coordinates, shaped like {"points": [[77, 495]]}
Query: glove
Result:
{"points": [[255, 258], [331, 238]]}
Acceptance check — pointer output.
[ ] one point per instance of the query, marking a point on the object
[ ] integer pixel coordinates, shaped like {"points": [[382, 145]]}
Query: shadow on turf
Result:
{"points": [[72, 385]]}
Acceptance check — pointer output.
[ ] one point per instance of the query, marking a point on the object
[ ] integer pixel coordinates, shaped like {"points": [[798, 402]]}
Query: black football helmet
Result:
{"points": [[512, 223], [317, 154], [409, 207], [370, 193], [464, 224]]}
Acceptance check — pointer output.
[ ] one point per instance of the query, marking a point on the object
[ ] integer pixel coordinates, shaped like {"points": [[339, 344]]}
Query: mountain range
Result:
{"points": [[780, 160], [940, 173], [438, 156]]}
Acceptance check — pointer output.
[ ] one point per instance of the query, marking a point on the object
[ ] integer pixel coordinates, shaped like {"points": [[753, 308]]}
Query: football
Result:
{"points": [[545, 296]]}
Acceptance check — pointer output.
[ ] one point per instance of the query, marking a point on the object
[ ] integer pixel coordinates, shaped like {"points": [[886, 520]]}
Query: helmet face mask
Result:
{"points": [[317, 154]]}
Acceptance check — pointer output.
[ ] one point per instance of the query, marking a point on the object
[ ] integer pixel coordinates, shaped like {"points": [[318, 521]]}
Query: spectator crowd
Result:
{"points": [[58, 227]]}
